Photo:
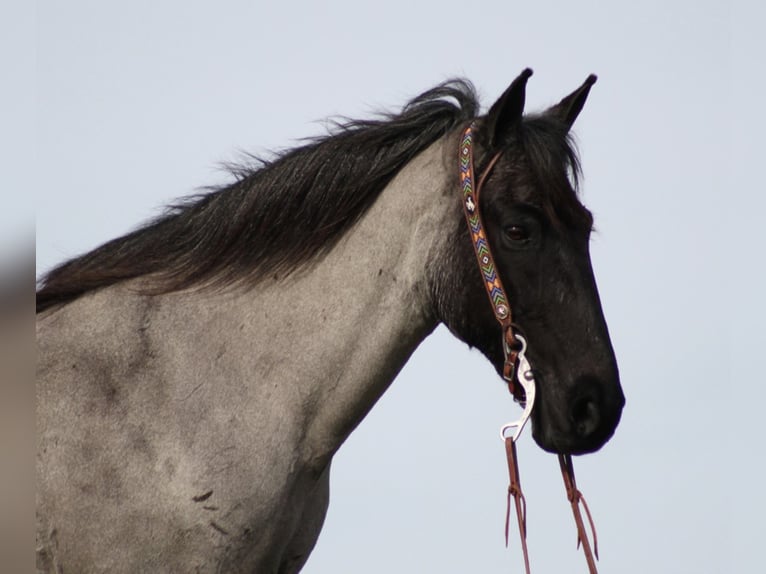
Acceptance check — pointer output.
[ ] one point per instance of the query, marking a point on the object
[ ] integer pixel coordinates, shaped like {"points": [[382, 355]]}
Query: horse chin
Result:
{"points": [[545, 438], [562, 444]]}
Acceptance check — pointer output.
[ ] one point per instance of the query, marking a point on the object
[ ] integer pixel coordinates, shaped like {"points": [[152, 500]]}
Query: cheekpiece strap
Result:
{"points": [[492, 283], [490, 277]]}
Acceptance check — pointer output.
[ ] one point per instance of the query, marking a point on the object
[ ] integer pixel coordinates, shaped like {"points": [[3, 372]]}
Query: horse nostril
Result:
{"points": [[590, 414], [585, 416]]}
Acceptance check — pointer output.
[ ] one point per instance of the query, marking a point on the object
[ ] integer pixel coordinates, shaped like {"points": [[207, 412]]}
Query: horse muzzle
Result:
{"points": [[583, 418]]}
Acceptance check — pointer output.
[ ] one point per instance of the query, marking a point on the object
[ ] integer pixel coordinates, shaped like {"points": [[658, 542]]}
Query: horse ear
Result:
{"points": [[570, 107], [506, 112]]}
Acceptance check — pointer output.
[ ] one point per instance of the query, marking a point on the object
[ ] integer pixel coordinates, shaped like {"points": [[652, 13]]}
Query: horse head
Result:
{"points": [[539, 233]]}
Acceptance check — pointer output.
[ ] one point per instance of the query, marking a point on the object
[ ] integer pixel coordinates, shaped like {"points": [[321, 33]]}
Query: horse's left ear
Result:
{"points": [[570, 107], [506, 112]]}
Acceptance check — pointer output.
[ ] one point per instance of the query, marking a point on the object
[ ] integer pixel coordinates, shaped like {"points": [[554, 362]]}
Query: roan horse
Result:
{"points": [[196, 376]]}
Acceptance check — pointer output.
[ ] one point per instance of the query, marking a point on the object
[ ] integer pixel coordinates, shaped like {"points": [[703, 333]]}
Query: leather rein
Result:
{"points": [[517, 371]]}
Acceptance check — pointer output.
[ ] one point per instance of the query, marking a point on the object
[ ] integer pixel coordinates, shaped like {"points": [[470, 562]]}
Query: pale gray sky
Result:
{"points": [[138, 101]]}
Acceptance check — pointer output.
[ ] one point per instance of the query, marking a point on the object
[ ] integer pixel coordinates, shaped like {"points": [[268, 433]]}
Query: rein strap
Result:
{"points": [[575, 498], [514, 491]]}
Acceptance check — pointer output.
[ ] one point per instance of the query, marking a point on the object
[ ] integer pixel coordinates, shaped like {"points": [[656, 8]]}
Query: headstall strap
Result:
{"points": [[492, 282], [520, 379], [502, 310]]}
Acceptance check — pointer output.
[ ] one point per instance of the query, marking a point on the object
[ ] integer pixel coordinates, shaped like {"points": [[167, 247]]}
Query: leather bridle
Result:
{"points": [[517, 371]]}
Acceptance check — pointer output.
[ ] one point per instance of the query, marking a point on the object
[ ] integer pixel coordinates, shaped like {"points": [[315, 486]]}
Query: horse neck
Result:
{"points": [[336, 333]]}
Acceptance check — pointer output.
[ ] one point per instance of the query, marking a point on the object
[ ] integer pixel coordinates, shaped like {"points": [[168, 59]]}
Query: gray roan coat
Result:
{"points": [[197, 375]]}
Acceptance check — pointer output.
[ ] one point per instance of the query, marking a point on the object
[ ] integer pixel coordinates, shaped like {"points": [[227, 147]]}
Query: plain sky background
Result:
{"points": [[135, 104]]}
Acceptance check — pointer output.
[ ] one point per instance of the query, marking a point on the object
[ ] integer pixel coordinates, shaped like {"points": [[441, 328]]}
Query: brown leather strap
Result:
{"points": [[514, 490], [575, 498], [485, 175]]}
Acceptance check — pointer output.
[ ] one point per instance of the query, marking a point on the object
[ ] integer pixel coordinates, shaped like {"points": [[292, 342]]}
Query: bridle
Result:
{"points": [[517, 371]]}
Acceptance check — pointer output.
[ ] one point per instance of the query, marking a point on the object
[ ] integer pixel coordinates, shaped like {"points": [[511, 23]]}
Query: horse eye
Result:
{"points": [[517, 233]]}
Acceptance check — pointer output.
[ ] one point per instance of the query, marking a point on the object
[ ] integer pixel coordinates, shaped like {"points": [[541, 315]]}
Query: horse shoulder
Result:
{"points": [[142, 407]]}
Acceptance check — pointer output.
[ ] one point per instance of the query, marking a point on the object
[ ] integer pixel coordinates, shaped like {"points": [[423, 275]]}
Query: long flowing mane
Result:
{"points": [[277, 214]]}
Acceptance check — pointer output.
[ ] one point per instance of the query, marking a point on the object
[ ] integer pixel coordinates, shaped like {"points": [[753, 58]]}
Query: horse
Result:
{"points": [[197, 375]]}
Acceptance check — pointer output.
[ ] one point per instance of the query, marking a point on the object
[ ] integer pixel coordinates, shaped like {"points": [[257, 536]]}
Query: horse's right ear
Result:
{"points": [[570, 107], [505, 113]]}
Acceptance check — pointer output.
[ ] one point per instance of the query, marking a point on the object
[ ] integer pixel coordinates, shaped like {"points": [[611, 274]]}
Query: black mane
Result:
{"points": [[277, 214]]}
